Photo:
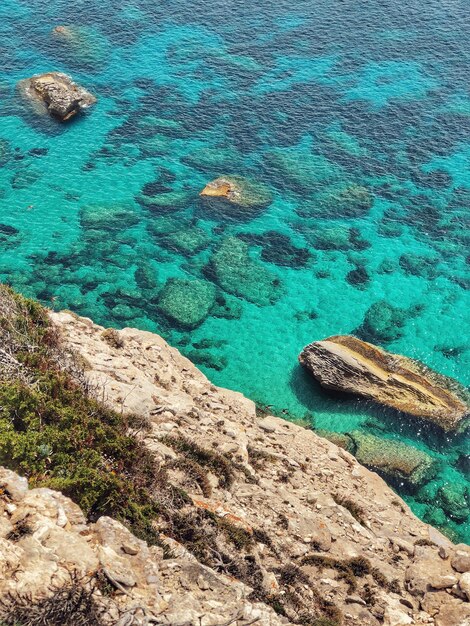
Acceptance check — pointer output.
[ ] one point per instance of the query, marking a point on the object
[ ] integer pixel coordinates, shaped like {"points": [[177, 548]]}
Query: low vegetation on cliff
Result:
{"points": [[56, 434], [246, 517]]}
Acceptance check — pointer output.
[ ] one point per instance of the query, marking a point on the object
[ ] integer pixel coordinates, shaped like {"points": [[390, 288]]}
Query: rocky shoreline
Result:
{"points": [[258, 520], [306, 504]]}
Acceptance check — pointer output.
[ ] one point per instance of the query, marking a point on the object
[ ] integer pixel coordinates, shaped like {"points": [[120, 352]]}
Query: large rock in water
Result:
{"points": [[57, 92], [345, 363]]}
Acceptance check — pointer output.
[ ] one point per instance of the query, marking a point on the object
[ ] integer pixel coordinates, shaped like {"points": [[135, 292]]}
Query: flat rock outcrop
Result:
{"points": [[394, 459], [345, 363], [57, 93], [317, 535]]}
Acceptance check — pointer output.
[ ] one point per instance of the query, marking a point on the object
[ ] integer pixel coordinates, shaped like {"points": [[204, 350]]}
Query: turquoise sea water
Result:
{"points": [[355, 115]]}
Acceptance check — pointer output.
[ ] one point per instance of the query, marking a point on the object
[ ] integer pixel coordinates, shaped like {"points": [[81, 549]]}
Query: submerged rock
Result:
{"points": [[337, 238], [166, 202], [57, 92], [227, 308], [351, 201], [301, 170], [455, 500], [207, 359], [163, 225], [358, 277], [236, 197], [187, 241], [278, 248], [112, 217], [383, 322], [345, 363], [9, 231], [25, 177], [212, 159], [146, 276], [84, 45], [394, 459], [237, 273], [419, 265], [334, 238], [186, 302], [6, 152]]}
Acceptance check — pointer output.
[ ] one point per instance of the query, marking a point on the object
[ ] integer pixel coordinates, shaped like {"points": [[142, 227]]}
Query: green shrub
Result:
{"points": [[219, 464], [54, 433], [61, 439]]}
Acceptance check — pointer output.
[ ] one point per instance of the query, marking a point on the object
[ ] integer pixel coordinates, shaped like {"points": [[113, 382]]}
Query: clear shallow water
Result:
{"points": [[357, 118]]}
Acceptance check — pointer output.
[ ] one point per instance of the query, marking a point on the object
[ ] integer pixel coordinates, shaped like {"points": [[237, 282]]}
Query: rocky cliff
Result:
{"points": [[269, 523]]}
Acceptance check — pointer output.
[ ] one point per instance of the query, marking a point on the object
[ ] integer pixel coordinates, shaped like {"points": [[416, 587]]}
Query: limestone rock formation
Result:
{"points": [[312, 532], [345, 363], [57, 92], [46, 545]]}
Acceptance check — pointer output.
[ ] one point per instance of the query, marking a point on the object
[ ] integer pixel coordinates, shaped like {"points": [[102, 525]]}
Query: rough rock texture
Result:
{"points": [[45, 541], [61, 96], [309, 507], [236, 197], [345, 363]]}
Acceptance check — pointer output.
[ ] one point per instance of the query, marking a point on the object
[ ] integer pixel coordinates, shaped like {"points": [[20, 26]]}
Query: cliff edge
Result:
{"points": [[267, 522]]}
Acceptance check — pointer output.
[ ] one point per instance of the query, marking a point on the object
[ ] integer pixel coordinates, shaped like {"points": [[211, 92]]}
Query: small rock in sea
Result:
{"points": [[57, 94], [235, 197]]}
